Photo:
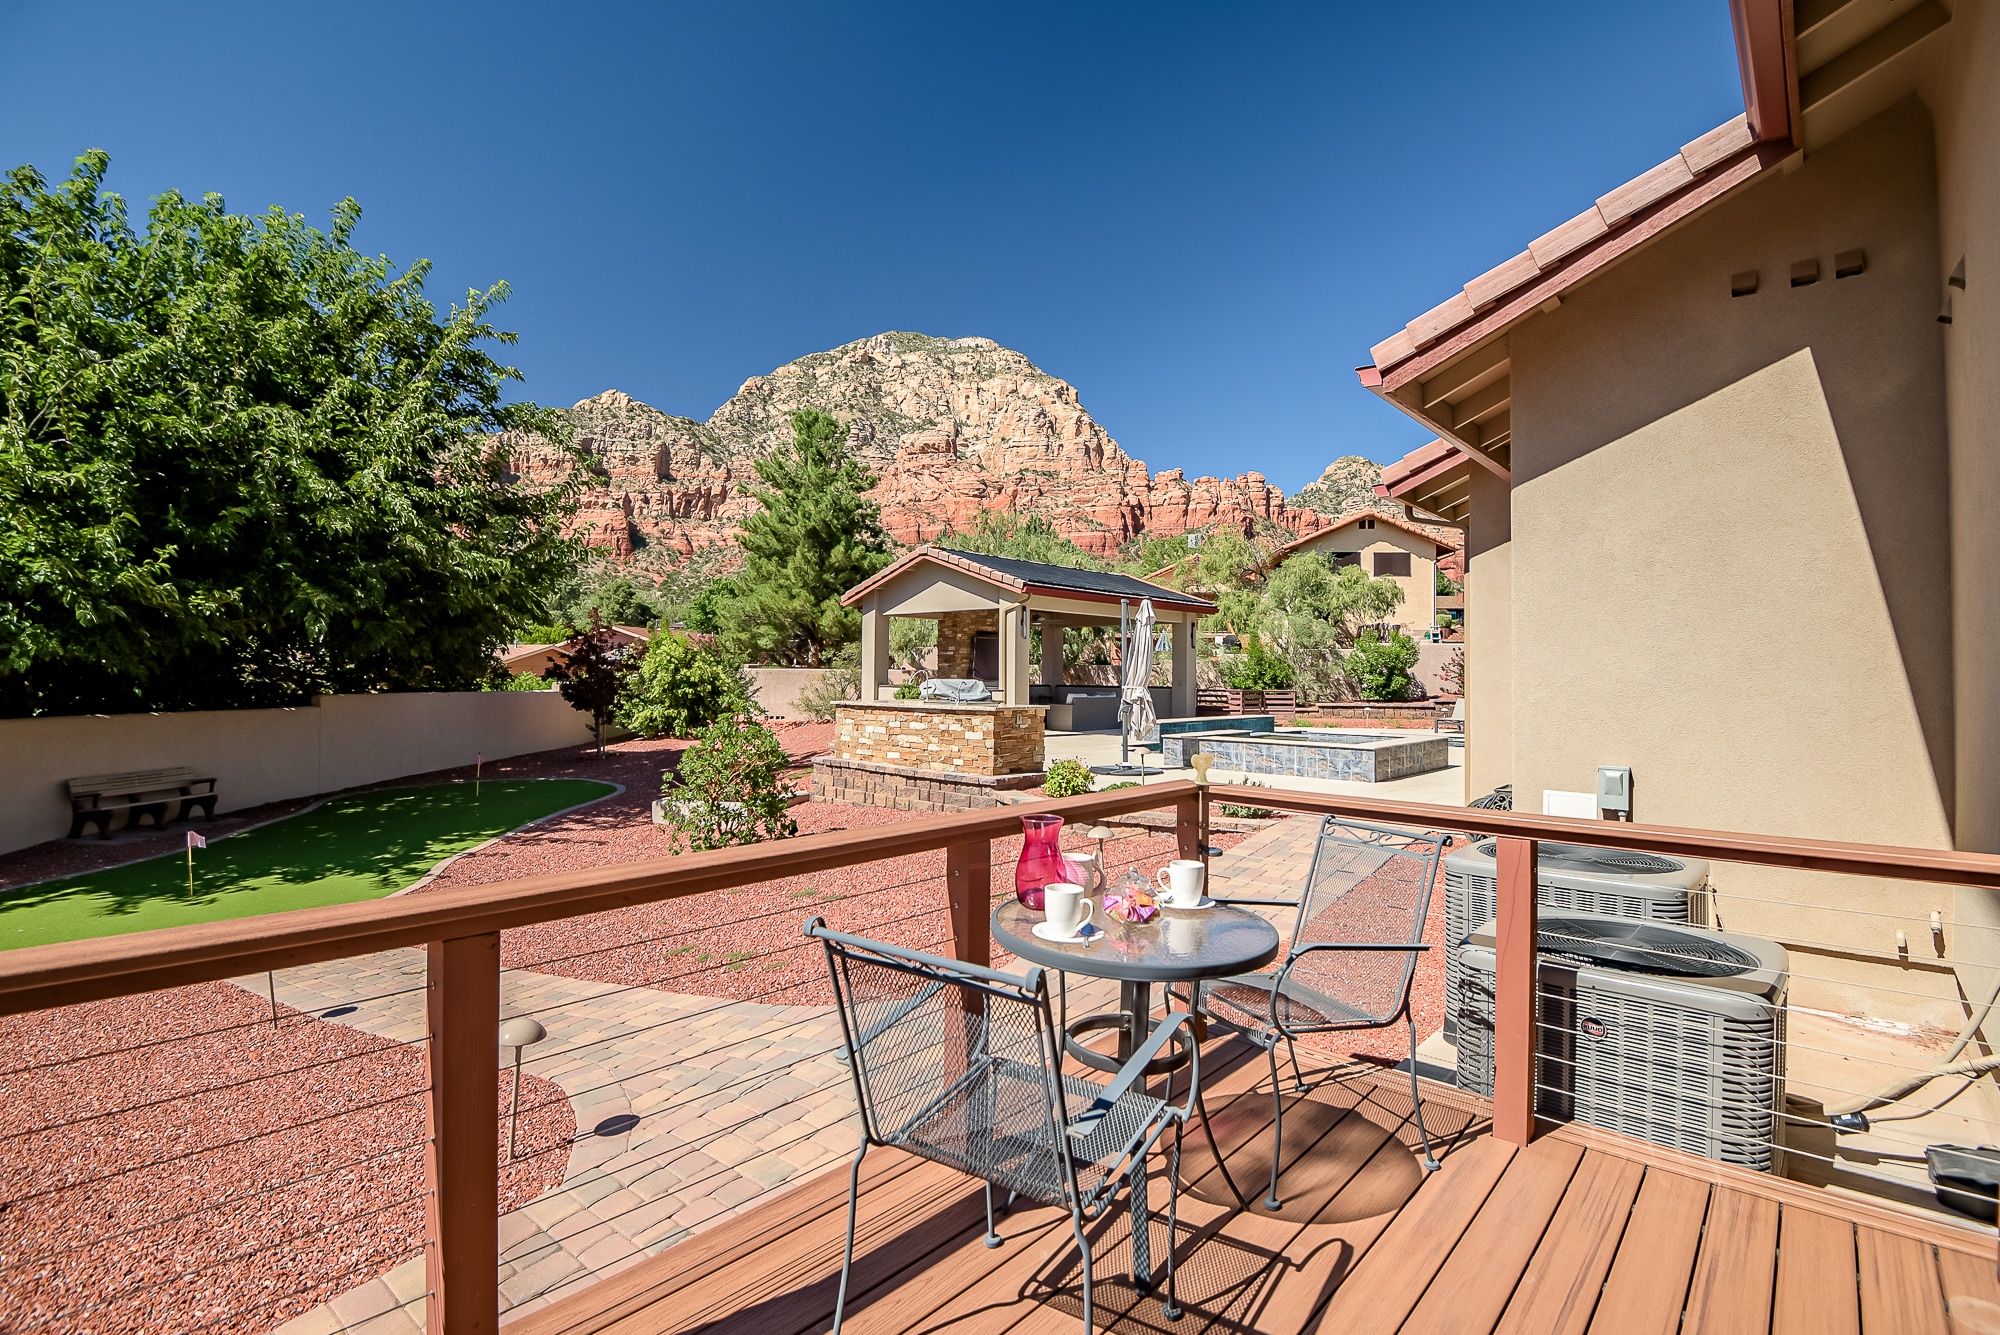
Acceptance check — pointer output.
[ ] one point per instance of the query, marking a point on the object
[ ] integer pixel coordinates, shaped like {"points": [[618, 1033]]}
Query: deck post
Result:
{"points": [[461, 1107], [1514, 993], [1188, 827], [968, 883]]}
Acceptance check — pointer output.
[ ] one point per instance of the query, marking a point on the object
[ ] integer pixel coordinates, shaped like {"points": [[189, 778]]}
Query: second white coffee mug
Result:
{"points": [[1182, 880], [1067, 909]]}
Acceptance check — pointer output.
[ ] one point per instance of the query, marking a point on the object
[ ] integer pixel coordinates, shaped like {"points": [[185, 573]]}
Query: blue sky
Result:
{"points": [[1201, 216]]}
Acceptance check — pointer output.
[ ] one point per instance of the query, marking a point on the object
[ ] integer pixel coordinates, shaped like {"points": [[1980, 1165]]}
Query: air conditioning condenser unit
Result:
{"points": [[1668, 1033], [1649, 887]]}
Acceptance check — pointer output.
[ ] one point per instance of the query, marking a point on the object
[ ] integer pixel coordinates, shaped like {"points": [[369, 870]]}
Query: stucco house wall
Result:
{"points": [[1693, 470]]}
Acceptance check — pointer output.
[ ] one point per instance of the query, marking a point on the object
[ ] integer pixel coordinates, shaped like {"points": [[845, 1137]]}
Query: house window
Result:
{"points": [[1344, 559], [1368, 523], [1392, 563]]}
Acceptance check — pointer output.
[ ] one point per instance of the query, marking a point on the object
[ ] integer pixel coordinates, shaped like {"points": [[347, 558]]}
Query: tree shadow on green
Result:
{"points": [[352, 848]]}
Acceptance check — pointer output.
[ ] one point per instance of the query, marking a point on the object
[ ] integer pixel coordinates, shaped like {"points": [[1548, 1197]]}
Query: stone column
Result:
{"points": [[1182, 696], [1052, 652], [1014, 653], [874, 650]]}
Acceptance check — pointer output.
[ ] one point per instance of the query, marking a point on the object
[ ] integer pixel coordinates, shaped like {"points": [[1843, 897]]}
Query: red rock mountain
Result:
{"points": [[951, 427]]}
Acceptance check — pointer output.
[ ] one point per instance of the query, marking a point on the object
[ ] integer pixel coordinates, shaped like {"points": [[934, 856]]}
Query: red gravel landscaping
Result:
{"points": [[172, 1162]]}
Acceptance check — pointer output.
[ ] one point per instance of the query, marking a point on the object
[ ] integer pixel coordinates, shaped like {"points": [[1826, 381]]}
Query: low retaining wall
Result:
{"points": [[270, 755], [906, 788]]}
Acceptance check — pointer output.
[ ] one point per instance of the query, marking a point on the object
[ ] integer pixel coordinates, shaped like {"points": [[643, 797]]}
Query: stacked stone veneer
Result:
{"points": [[1323, 757], [954, 642], [918, 756]]}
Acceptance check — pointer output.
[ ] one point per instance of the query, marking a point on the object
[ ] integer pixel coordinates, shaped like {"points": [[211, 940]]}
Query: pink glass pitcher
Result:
{"points": [[1041, 861]]}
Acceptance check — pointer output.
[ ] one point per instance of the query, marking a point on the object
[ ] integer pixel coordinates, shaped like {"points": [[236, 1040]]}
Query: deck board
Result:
{"points": [[1568, 1234], [1816, 1292], [1736, 1268], [1559, 1288]]}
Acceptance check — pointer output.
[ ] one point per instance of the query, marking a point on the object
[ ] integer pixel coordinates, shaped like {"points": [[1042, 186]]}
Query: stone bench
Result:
{"points": [[141, 794]]}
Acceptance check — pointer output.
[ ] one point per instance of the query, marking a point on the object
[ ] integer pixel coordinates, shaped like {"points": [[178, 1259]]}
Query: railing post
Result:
{"points": [[461, 1169], [968, 883], [1514, 993], [1188, 827]]}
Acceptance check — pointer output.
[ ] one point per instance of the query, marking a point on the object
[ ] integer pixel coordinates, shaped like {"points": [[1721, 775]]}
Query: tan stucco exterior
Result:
{"points": [[1730, 558]]}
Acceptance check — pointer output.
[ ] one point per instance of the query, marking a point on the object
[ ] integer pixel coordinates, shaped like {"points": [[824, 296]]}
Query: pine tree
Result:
{"points": [[818, 536]]}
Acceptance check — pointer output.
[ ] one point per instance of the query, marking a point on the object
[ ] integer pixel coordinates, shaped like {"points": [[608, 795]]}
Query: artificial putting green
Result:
{"points": [[361, 847]]}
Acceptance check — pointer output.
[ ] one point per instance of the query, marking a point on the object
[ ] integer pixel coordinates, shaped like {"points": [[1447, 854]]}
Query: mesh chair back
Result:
{"points": [[954, 1063], [1369, 884]]}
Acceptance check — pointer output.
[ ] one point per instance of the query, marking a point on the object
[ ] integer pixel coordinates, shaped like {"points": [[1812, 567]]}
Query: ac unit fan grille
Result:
{"points": [[1574, 857], [1635, 950]]}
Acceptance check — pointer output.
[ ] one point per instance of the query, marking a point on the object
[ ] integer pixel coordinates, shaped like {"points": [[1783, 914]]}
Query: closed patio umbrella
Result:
{"points": [[1140, 719]]}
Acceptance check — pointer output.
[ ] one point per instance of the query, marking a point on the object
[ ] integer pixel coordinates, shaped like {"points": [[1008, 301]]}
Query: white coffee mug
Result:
{"points": [[1181, 881], [1067, 909]]}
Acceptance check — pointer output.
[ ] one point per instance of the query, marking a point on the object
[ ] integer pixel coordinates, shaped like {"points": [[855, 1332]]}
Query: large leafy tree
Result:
{"points": [[1312, 611], [817, 537], [242, 463]]}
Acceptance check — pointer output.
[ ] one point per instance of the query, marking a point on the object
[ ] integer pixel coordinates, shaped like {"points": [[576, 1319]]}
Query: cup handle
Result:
{"points": [[1088, 910], [1164, 881]]}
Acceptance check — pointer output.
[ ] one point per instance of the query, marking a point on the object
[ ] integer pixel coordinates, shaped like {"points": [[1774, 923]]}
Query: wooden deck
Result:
{"points": [[1580, 1231]]}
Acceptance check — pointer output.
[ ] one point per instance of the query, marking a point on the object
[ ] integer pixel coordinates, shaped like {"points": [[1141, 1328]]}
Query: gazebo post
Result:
{"points": [[1183, 697], [1052, 652], [1014, 652], [874, 649]]}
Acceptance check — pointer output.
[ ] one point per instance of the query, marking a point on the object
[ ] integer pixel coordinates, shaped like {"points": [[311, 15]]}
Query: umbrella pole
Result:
{"points": [[1124, 706]]}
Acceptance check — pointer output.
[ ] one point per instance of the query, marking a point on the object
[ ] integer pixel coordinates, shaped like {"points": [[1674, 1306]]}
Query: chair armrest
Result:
{"points": [[1359, 945], [1128, 1075], [1267, 903]]}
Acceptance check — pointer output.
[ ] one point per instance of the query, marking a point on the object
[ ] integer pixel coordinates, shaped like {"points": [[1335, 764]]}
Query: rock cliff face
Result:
{"points": [[1347, 485], [951, 427]]}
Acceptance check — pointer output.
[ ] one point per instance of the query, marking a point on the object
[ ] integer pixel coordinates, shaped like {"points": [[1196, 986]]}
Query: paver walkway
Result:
{"points": [[732, 1100]]}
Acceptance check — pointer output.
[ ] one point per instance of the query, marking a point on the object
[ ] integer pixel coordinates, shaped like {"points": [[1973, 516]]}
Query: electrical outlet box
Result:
{"points": [[1614, 788]]}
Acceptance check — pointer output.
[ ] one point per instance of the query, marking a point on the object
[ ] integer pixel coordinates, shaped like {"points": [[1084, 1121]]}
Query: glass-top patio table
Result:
{"points": [[1177, 946]]}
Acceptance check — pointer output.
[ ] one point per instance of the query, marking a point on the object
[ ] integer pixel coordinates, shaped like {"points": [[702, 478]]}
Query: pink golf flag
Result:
{"points": [[196, 841]]}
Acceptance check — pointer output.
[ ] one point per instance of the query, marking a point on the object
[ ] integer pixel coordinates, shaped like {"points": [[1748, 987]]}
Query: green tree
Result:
{"points": [[1024, 538], [592, 675], [616, 599], [680, 688], [1311, 612], [242, 463], [817, 537]]}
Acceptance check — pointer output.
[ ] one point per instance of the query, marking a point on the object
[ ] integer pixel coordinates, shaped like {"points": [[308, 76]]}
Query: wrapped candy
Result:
{"points": [[1133, 901]]}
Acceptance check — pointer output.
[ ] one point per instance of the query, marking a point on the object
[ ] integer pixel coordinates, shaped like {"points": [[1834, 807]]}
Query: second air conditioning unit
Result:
{"points": [[1648, 887], [1671, 1034]]}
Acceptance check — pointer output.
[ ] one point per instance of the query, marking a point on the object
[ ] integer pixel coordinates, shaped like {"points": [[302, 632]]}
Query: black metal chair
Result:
{"points": [[963, 1065], [1352, 958]]}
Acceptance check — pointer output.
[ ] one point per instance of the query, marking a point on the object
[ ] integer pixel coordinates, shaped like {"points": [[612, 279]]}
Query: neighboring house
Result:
{"points": [[1385, 547], [1726, 448], [535, 659]]}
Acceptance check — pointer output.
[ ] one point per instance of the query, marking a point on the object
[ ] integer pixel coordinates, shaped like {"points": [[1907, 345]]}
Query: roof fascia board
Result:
{"points": [[1580, 266], [1763, 34], [926, 553], [1442, 468], [1180, 602]]}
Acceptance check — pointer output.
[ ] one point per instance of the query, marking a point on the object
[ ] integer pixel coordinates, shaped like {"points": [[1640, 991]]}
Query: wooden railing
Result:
{"points": [[460, 929]]}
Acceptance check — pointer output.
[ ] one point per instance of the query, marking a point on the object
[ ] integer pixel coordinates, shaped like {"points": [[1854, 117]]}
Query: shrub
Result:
{"points": [[1241, 812], [1122, 783], [908, 691], [1453, 675], [729, 787], [680, 688], [1381, 668], [1068, 778], [553, 633], [519, 681], [1258, 670], [834, 686]]}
